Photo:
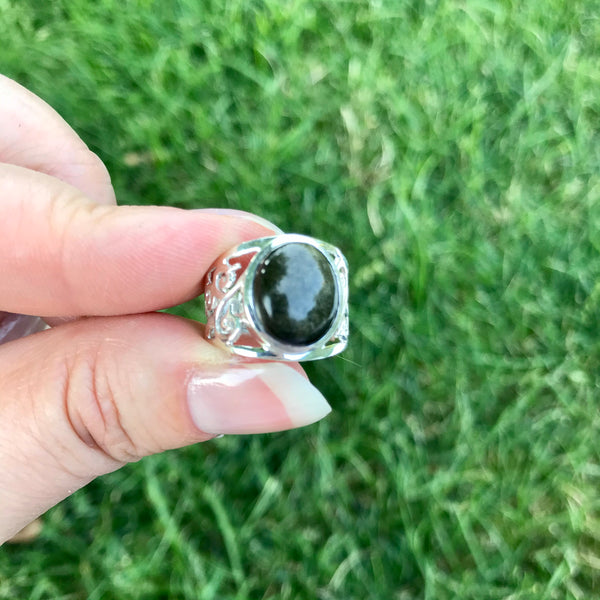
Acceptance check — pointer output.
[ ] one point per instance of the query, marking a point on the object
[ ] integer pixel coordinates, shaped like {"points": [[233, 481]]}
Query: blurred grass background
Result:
{"points": [[451, 149]]}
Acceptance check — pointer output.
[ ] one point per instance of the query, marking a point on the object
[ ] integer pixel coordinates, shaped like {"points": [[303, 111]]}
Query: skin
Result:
{"points": [[111, 381]]}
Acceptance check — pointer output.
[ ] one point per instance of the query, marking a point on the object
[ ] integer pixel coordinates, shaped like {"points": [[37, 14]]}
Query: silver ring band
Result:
{"points": [[279, 298]]}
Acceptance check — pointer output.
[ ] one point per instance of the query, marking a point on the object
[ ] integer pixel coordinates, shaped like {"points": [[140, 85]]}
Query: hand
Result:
{"points": [[112, 381]]}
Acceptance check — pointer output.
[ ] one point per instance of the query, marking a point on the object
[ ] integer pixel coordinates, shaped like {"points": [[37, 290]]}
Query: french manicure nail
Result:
{"points": [[253, 398], [230, 212]]}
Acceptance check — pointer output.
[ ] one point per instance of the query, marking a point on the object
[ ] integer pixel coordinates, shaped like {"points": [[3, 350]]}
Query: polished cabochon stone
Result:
{"points": [[295, 294]]}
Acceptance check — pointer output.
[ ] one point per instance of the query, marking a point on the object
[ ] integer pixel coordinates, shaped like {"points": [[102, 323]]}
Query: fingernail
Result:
{"points": [[253, 398], [230, 212]]}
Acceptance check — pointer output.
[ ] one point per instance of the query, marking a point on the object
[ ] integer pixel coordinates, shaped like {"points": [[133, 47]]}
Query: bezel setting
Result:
{"points": [[232, 317]]}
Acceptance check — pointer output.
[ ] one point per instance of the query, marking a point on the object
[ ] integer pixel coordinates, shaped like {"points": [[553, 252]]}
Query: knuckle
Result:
{"points": [[92, 402], [63, 221], [84, 170], [73, 222]]}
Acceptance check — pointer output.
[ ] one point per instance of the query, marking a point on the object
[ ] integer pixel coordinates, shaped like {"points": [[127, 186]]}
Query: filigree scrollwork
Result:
{"points": [[229, 322], [224, 302]]}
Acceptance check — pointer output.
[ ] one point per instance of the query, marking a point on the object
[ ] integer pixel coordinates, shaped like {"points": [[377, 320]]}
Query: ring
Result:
{"points": [[279, 298]]}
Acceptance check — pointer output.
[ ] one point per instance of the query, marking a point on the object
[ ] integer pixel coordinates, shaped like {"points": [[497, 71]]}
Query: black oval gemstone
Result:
{"points": [[295, 295]]}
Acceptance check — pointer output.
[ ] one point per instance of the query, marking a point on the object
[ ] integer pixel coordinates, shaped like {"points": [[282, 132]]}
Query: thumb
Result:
{"points": [[107, 391]]}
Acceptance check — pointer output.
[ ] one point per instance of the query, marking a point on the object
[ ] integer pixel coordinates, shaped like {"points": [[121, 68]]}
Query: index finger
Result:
{"points": [[63, 255]]}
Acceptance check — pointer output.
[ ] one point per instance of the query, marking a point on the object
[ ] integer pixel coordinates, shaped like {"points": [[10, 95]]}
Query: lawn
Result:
{"points": [[451, 149]]}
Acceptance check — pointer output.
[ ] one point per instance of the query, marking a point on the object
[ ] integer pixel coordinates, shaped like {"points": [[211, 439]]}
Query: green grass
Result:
{"points": [[452, 150]]}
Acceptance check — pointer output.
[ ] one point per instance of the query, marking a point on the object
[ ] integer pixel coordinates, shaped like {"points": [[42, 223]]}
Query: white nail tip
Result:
{"points": [[266, 224], [302, 401], [228, 212]]}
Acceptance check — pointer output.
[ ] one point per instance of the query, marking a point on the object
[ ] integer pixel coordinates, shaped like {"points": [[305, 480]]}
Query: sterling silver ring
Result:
{"points": [[279, 298]]}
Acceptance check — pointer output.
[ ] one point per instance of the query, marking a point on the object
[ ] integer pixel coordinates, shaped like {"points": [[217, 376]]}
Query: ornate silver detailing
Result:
{"points": [[224, 302]]}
